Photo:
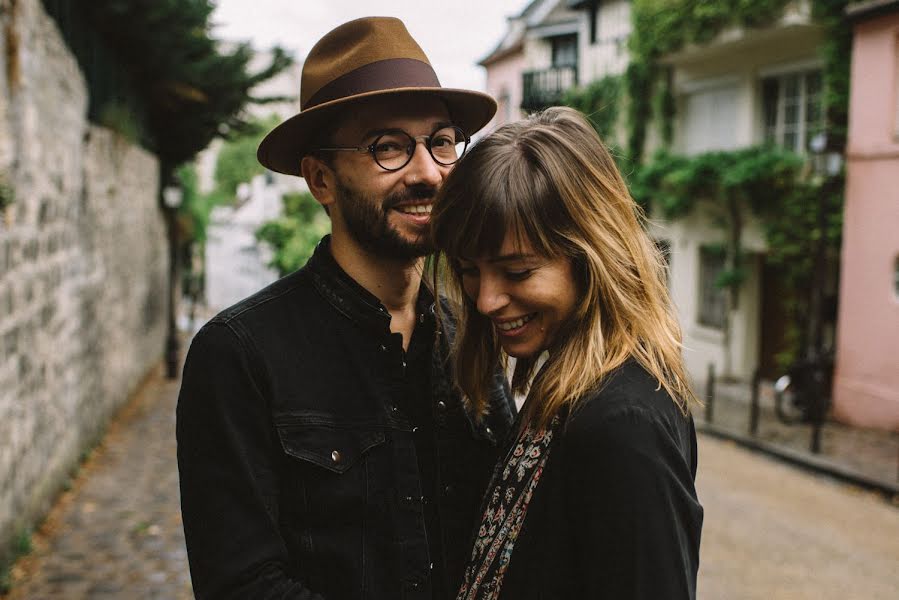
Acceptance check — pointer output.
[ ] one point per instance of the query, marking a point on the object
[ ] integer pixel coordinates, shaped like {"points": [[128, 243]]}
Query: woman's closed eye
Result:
{"points": [[518, 274]]}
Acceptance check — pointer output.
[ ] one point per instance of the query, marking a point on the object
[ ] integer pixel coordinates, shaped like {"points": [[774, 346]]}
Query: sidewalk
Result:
{"points": [[117, 532], [865, 457]]}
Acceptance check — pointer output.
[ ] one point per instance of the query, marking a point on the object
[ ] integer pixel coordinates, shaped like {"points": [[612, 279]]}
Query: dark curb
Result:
{"points": [[803, 460]]}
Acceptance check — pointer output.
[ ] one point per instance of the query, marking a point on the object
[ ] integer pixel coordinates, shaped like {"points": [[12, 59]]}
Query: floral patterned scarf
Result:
{"points": [[505, 506]]}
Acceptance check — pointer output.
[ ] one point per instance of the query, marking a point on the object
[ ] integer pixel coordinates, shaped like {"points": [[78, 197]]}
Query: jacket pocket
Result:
{"points": [[334, 449]]}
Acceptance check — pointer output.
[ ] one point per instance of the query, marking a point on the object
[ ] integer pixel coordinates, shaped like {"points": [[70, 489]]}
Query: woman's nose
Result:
{"points": [[491, 296]]}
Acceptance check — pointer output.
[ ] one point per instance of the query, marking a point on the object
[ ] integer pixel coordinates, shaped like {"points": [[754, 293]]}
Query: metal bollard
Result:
{"points": [[710, 394], [754, 403]]}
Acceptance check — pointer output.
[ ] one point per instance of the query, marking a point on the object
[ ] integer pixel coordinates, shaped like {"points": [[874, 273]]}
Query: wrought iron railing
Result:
{"points": [[546, 87]]}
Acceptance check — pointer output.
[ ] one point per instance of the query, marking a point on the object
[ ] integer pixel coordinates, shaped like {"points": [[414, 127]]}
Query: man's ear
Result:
{"points": [[321, 180]]}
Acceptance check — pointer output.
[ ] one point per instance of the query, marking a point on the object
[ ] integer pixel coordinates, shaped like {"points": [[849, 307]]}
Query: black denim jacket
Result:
{"points": [[299, 477]]}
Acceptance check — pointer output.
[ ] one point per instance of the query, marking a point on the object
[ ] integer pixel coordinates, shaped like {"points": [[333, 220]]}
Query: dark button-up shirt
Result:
{"points": [[313, 463]]}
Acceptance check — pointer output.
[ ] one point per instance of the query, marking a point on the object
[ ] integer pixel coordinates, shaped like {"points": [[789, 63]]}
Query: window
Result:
{"points": [[710, 117], [564, 51], [792, 106], [712, 300]]}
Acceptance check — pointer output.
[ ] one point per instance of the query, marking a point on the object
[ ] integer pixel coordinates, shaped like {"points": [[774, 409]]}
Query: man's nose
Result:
{"points": [[422, 169]]}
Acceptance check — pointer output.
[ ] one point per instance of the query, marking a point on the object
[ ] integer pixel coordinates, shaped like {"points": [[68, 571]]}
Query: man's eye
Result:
{"points": [[388, 148], [443, 141]]}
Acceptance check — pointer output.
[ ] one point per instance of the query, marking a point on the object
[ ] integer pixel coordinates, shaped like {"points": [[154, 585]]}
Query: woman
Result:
{"points": [[594, 497]]}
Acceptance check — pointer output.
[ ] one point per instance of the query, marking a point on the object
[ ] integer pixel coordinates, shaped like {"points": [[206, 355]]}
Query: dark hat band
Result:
{"points": [[386, 74]]}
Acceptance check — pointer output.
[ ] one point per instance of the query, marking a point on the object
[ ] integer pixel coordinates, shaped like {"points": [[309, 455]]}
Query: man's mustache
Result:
{"points": [[415, 192]]}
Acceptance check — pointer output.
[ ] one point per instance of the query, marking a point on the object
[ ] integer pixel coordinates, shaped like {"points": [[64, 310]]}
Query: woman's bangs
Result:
{"points": [[477, 223]]}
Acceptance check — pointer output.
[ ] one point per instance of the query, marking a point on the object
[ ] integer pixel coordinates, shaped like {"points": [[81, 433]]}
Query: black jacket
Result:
{"points": [[299, 476], [615, 515]]}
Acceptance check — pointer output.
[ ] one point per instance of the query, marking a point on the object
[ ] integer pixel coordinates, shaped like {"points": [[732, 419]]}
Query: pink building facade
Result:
{"points": [[867, 372], [504, 69]]}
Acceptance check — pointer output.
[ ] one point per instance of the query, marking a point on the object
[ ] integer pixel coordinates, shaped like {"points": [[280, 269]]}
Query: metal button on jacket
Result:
{"points": [[335, 456]]}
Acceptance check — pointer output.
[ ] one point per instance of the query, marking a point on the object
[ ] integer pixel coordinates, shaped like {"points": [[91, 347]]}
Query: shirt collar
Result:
{"points": [[351, 299]]}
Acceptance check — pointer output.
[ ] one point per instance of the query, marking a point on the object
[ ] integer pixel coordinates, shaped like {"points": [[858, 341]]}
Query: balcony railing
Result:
{"points": [[546, 87]]}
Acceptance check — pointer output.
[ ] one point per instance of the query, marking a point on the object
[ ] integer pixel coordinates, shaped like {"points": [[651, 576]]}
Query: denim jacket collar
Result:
{"points": [[351, 299]]}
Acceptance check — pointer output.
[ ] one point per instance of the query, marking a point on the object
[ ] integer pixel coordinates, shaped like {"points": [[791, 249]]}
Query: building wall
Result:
{"points": [[505, 85], [717, 89], [608, 54], [704, 345], [83, 267], [867, 371]]}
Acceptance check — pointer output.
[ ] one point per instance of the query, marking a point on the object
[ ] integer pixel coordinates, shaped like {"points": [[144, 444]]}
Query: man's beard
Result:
{"points": [[367, 222]]}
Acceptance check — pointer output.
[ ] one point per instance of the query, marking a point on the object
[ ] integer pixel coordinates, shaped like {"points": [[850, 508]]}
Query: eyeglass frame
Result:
{"points": [[425, 139]]}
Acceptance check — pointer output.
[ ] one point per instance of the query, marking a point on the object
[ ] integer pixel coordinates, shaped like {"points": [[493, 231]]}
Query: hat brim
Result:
{"points": [[284, 146]]}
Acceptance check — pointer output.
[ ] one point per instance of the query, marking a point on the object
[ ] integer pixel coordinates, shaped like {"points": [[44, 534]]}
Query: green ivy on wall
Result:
{"points": [[599, 101], [662, 27]]}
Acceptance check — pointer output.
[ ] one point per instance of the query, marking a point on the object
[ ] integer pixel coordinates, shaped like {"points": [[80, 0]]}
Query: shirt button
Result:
{"points": [[421, 318], [415, 430], [383, 348], [335, 456], [447, 490], [489, 431], [441, 407]]}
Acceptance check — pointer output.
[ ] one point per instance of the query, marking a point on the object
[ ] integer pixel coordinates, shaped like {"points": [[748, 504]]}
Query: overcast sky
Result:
{"points": [[455, 34]]}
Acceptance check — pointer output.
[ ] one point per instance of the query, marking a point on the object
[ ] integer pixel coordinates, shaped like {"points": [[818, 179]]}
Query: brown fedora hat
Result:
{"points": [[364, 58]]}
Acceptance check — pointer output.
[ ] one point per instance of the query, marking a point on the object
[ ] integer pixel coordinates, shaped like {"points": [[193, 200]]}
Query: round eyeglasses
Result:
{"points": [[393, 149]]}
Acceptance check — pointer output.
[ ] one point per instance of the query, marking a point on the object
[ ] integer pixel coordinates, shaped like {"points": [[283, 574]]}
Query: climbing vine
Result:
{"points": [[599, 101], [800, 210], [662, 27]]}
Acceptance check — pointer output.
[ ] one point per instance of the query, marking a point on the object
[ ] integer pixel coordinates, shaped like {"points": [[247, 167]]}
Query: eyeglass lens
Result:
{"points": [[394, 150]]}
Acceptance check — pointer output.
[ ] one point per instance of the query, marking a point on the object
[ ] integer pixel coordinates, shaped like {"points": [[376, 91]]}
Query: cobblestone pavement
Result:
{"points": [[774, 532], [117, 532], [771, 532]]}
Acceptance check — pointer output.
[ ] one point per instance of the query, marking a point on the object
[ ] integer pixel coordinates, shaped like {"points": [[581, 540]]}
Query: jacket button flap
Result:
{"points": [[333, 449]]}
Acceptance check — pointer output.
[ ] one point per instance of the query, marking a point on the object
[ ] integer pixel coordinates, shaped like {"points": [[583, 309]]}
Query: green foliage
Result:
{"points": [[185, 87], [195, 207], [18, 547], [640, 83], [728, 185], [120, 117], [836, 52], [7, 193], [293, 237], [237, 162], [801, 214], [599, 101], [662, 27]]}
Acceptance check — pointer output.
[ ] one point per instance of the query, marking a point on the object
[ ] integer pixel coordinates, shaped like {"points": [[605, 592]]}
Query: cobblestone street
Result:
{"points": [[771, 532], [117, 532]]}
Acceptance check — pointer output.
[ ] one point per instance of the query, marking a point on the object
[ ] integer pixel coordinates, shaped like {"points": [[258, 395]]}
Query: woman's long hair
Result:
{"points": [[550, 181]]}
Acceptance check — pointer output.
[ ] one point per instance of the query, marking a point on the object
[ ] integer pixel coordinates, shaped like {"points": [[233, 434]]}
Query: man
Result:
{"points": [[322, 449]]}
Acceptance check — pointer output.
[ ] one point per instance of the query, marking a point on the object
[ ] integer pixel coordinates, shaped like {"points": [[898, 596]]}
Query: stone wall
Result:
{"points": [[83, 267]]}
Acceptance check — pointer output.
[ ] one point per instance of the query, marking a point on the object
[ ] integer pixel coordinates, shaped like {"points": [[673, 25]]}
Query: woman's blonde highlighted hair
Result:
{"points": [[550, 181]]}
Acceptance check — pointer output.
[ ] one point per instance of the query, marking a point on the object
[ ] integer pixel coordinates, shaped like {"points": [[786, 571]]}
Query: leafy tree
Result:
{"points": [[236, 162], [152, 66], [293, 237]]}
